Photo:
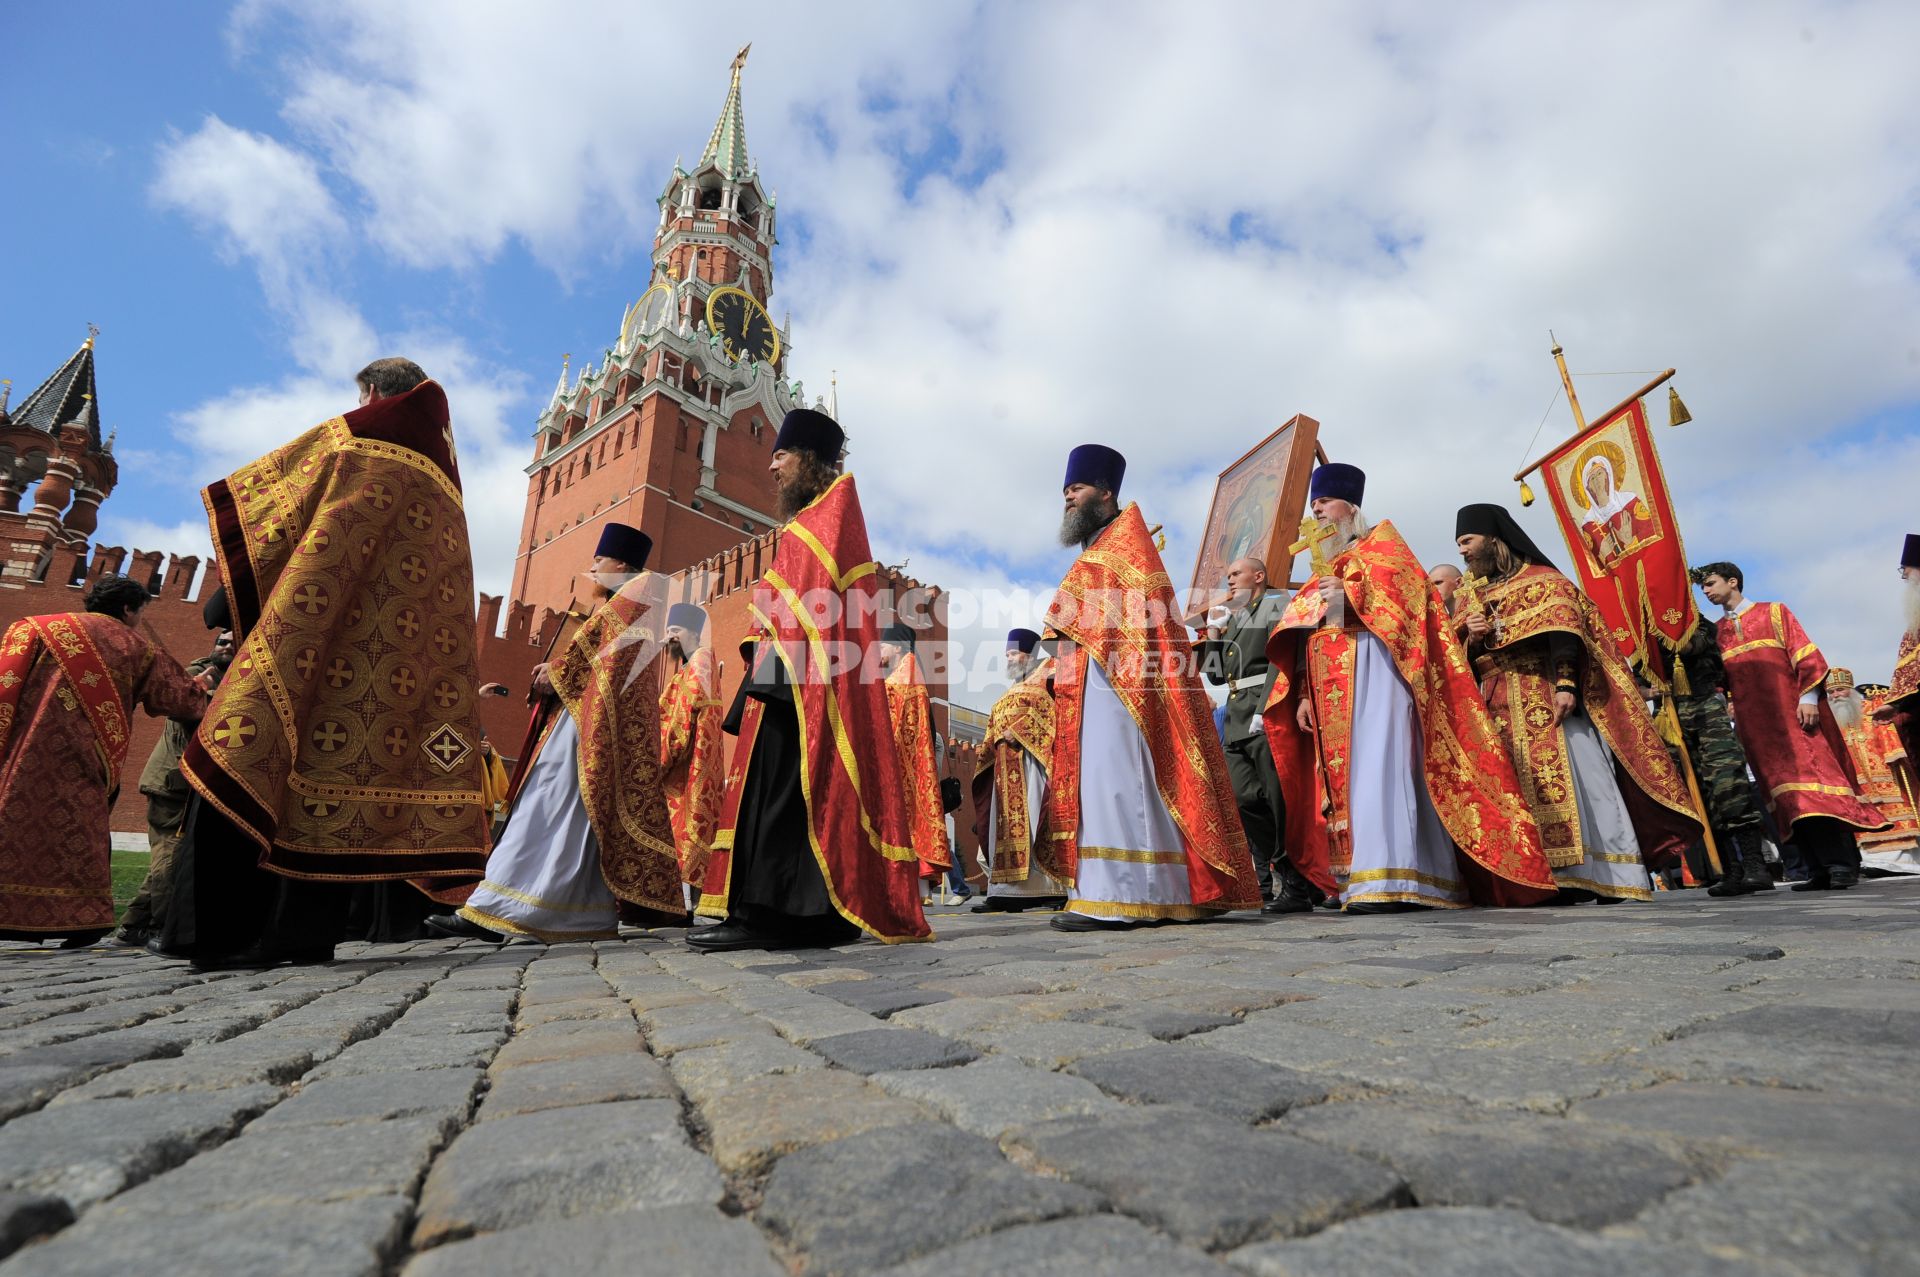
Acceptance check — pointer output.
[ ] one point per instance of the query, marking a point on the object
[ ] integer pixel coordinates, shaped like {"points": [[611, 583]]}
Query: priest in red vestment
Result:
{"points": [[693, 756], [1398, 791], [1139, 809], [1776, 683], [1009, 789], [1607, 796], [1901, 709], [343, 744], [1873, 747], [68, 684], [910, 709], [813, 847]]}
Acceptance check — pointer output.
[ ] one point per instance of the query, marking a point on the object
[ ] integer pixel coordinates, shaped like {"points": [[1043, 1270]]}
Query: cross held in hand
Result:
{"points": [[1312, 533]]}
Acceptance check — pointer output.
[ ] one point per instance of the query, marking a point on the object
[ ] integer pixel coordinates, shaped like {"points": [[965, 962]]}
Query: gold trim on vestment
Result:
{"points": [[1405, 875], [481, 917], [535, 902], [1128, 856], [1127, 909]]}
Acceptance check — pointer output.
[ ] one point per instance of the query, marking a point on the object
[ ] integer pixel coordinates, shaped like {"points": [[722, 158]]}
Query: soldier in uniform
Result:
{"points": [[1234, 653], [1719, 764]]}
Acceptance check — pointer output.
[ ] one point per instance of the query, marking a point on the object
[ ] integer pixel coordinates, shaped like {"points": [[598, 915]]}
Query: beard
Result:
{"points": [[1080, 522], [1344, 534], [1910, 601], [1848, 707], [795, 492], [676, 651]]}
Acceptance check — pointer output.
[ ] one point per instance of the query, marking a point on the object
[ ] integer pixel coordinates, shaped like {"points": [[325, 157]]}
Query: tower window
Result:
{"points": [[709, 198]]}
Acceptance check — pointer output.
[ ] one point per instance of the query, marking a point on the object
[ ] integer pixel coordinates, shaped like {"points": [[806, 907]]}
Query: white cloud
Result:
{"points": [[1194, 223]]}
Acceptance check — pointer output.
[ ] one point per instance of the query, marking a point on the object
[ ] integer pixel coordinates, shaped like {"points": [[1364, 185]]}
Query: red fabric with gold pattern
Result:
{"points": [[850, 769], [1116, 606], [1468, 775], [1770, 664], [57, 773], [1519, 688], [1905, 688], [1874, 747], [345, 737], [1020, 724], [910, 708], [608, 677], [694, 760]]}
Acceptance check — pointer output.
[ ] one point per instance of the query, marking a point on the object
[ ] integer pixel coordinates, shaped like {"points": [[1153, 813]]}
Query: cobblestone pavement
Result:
{"points": [[1688, 1086]]}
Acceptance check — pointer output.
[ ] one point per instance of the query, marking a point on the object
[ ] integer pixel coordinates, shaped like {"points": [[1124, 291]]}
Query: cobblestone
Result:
{"points": [[1682, 1087]]}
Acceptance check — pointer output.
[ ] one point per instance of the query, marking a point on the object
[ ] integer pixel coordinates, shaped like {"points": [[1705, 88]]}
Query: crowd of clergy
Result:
{"points": [[1392, 738]]}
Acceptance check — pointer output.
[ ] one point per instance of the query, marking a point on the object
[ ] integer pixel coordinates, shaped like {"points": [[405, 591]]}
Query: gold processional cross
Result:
{"points": [[1312, 534]]}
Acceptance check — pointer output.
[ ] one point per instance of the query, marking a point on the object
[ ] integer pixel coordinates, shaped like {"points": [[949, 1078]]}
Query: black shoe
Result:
{"points": [[257, 957], [129, 938], [159, 950], [1573, 896], [453, 927], [729, 936], [1840, 877], [1287, 902], [1081, 922], [1817, 882], [1385, 906]]}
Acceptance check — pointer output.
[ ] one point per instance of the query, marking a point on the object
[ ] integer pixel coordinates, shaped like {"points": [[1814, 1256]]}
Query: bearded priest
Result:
{"points": [[1607, 796], [1139, 809], [1902, 705], [1776, 679], [813, 847], [693, 758], [589, 838], [1009, 789], [1398, 793]]}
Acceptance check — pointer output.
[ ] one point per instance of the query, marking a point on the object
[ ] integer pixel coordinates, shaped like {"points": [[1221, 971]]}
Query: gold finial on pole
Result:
{"points": [[1566, 379], [740, 58]]}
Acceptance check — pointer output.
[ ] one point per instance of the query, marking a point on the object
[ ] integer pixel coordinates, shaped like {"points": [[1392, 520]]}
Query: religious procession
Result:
{"points": [[1395, 736]]}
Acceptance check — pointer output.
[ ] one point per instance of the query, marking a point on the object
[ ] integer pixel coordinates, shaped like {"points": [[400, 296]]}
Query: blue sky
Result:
{"points": [[1011, 228]]}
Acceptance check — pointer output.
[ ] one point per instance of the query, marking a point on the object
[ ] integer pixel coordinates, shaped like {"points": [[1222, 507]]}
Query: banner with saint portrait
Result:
{"points": [[1610, 498]]}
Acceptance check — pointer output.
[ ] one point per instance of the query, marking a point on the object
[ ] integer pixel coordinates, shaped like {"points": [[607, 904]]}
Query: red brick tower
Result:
{"points": [[52, 440], [672, 431]]}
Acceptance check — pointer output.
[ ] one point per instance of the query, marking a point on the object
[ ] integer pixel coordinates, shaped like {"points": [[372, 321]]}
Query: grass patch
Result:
{"points": [[129, 871]]}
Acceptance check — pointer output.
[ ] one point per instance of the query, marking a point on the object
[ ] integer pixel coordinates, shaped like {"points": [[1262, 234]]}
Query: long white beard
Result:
{"points": [[1910, 600], [1345, 532], [1848, 708]]}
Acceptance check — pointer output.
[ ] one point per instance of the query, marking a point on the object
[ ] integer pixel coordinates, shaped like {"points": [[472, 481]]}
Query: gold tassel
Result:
{"points": [[1526, 493], [1667, 724], [1677, 413]]}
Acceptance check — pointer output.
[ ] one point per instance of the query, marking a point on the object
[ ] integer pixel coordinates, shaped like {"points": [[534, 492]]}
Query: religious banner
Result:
{"points": [[1610, 498], [1256, 509]]}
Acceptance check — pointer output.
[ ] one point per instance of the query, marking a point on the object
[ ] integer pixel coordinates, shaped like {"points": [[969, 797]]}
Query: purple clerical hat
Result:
{"points": [[1024, 640], [1096, 465], [628, 544], [1910, 552], [1339, 481]]}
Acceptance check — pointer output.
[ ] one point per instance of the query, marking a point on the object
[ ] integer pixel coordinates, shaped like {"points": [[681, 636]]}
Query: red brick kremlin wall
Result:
{"points": [[508, 647]]}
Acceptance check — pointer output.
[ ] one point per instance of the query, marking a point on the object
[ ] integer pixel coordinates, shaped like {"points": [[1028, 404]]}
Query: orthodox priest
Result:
{"points": [[1605, 792], [1010, 786], [813, 847], [1776, 678], [343, 744], [693, 759], [1139, 810], [910, 709], [68, 684], [1870, 743], [1404, 797], [1901, 708], [589, 840]]}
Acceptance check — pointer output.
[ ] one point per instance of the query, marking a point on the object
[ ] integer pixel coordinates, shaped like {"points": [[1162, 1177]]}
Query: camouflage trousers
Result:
{"points": [[1719, 764]]}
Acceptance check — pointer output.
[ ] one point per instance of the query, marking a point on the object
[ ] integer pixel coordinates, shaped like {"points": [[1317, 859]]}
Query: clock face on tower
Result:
{"points": [[743, 325], [646, 314]]}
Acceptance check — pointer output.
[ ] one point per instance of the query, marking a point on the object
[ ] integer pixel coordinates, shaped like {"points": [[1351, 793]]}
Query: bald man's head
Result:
{"points": [[1247, 578], [1446, 579]]}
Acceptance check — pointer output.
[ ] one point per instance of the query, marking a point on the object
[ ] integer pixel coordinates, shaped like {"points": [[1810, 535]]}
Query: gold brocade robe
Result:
{"points": [[608, 678], [1517, 676], [693, 759], [1019, 725]]}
